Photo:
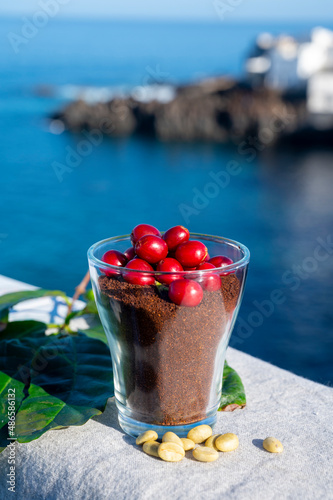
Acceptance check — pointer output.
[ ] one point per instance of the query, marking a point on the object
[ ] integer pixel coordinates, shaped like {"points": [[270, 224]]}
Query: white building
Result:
{"points": [[285, 63], [320, 98]]}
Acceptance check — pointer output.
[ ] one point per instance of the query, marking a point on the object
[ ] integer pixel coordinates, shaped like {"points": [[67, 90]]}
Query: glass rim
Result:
{"points": [[217, 239]]}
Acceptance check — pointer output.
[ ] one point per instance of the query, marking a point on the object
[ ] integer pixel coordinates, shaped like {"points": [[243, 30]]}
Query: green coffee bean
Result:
{"points": [[200, 433], [187, 444], [171, 437], [146, 436], [205, 454], [227, 442], [171, 452], [273, 445], [210, 442], [151, 448]]}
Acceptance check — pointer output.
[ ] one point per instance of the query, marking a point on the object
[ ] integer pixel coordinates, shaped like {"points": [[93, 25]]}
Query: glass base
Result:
{"points": [[135, 428]]}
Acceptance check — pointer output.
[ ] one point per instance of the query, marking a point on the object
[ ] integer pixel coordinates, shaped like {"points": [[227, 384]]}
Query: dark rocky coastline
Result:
{"points": [[218, 110]]}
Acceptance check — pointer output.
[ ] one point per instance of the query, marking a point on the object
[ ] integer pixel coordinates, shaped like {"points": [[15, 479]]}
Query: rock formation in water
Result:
{"points": [[219, 110]]}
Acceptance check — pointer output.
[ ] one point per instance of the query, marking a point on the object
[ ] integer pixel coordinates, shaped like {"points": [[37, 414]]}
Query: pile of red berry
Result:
{"points": [[173, 252]]}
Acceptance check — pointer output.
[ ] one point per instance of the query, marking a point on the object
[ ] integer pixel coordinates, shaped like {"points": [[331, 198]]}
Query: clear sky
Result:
{"points": [[234, 10]]}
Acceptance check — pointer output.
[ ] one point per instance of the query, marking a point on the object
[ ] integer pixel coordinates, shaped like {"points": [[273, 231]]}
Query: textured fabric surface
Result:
{"points": [[98, 461]]}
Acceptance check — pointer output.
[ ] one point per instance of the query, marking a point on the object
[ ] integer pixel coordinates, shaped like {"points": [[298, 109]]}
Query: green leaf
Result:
{"points": [[18, 344], [9, 387], [41, 412], [30, 329], [233, 393], [11, 299], [62, 379], [4, 313], [96, 332], [3, 319], [89, 295], [89, 309]]}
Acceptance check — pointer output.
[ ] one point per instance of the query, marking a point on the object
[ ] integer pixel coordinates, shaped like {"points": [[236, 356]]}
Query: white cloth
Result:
{"points": [[98, 461]]}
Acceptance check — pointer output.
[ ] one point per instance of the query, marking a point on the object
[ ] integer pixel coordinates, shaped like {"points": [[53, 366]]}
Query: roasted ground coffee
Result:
{"points": [[167, 352]]}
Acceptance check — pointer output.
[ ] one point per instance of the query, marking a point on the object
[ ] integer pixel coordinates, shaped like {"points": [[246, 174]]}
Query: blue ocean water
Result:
{"points": [[279, 203]]}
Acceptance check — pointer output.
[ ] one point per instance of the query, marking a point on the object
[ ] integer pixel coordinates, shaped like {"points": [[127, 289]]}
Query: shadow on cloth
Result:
{"points": [[258, 443], [110, 416]]}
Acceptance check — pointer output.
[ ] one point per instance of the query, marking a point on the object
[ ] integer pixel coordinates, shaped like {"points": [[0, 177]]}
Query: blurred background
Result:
{"points": [[214, 114]]}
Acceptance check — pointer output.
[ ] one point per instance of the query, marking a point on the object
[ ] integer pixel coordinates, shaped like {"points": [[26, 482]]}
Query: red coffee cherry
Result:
{"points": [[175, 236], [114, 258], [168, 265], [142, 230], [210, 281], [184, 292], [220, 261], [151, 248], [130, 253], [139, 278], [191, 253]]}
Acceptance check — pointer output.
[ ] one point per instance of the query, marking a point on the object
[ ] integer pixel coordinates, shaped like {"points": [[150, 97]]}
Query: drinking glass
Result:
{"points": [[168, 359]]}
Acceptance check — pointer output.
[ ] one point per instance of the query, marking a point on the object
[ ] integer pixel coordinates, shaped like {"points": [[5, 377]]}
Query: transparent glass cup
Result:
{"points": [[168, 359]]}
